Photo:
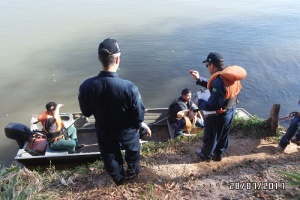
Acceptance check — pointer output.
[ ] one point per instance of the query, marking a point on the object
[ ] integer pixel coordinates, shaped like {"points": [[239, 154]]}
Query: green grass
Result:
{"points": [[151, 148], [253, 127], [14, 184], [292, 178], [17, 183]]}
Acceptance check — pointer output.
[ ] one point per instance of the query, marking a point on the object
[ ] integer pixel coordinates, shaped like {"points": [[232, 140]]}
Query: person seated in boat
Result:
{"points": [[187, 119], [293, 130], [184, 121], [144, 130], [55, 130]]}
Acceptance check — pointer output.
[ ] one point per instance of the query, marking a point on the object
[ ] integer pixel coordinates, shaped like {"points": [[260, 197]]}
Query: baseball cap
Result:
{"points": [[214, 57], [111, 45], [194, 108]]}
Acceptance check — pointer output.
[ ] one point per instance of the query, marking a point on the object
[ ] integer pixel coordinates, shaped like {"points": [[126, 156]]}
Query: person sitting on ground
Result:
{"points": [[54, 128], [293, 130], [183, 103], [187, 119], [144, 130]]}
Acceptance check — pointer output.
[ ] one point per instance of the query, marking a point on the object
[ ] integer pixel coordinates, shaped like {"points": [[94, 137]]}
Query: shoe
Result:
{"points": [[200, 155], [81, 146], [131, 172], [217, 157], [297, 142], [120, 181], [179, 134], [122, 147], [279, 149]]}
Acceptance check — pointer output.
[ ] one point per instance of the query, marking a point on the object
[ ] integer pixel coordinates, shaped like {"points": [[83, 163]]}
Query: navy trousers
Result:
{"points": [[216, 133], [291, 131], [112, 157]]}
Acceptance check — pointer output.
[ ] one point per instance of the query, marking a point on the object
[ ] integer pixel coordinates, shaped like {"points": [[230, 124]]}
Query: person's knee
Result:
{"points": [[181, 123], [71, 146], [72, 131]]}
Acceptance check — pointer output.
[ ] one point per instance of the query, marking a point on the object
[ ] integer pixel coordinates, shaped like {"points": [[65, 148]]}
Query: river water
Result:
{"points": [[49, 47]]}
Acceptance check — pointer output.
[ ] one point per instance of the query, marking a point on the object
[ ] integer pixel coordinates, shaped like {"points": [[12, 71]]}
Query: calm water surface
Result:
{"points": [[49, 47]]}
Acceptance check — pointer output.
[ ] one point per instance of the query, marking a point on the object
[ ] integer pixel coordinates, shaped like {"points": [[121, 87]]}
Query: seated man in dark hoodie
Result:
{"points": [[182, 113]]}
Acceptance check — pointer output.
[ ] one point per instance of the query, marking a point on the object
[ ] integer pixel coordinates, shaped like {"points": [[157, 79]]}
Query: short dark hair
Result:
{"points": [[219, 65], [50, 104], [106, 51], [185, 91], [105, 57]]}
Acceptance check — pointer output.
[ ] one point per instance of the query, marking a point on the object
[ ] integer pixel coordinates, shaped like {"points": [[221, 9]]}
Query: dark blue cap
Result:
{"points": [[214, 57], [111, 45]]}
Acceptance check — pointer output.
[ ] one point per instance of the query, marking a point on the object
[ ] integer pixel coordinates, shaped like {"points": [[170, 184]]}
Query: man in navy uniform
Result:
{"points": [[183, 103], [223, 98], [293, 130], [118, 110]]}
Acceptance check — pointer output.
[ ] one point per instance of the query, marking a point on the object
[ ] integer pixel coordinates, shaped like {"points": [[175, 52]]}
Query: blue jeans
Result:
{"points": [[291, 131], [181, 124], [112, 156], [68, 144], [216, 133]]}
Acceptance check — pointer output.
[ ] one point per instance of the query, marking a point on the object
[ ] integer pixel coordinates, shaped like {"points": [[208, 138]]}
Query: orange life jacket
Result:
{"points": [[43, 118], [231, 77]]}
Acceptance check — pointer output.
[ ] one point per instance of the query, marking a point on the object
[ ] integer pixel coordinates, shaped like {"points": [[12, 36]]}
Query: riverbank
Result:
{"points": [[171, 171]]}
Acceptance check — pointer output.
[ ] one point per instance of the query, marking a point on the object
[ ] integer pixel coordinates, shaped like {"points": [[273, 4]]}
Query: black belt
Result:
{"points": [[210, 115], [215, 114]]}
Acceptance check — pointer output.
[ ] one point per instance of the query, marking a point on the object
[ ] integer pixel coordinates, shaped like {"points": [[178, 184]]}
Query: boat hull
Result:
{"points": [[155, 118], [79, 158]]}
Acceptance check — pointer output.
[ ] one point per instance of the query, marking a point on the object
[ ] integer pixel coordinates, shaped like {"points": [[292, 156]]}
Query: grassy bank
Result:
{"points": [[90, 181]]}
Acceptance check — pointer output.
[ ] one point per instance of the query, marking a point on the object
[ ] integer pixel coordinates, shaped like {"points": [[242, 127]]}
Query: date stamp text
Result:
{"points": [[256, 185]]}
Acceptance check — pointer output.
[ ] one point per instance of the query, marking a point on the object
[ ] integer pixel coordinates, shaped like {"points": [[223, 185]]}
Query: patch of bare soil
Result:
{"points": [[247, 171]]}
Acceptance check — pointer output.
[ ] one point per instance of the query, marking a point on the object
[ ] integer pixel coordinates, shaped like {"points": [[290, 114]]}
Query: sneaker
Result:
{"points": [[200, 155], [81, 146], [217, 157], [297, 142]]}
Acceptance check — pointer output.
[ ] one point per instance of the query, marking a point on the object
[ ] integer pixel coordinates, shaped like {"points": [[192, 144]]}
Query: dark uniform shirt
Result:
{"points": [[178, 105], [115, 103], [217, 98]]}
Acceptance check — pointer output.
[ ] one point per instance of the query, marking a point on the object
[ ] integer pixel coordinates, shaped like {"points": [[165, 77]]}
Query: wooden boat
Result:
{"points": [[155, 118], [29, 157]]}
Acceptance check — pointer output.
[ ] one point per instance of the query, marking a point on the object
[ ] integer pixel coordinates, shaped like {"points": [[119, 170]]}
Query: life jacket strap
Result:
{"points": [[229, 103], [53, 135]]}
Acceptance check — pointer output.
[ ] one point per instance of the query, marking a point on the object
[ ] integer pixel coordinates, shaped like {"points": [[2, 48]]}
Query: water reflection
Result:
{"points": [[47, 53]]}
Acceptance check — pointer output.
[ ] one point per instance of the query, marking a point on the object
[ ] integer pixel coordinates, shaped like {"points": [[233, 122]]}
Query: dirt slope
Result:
{"points": [[246, 172]]}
